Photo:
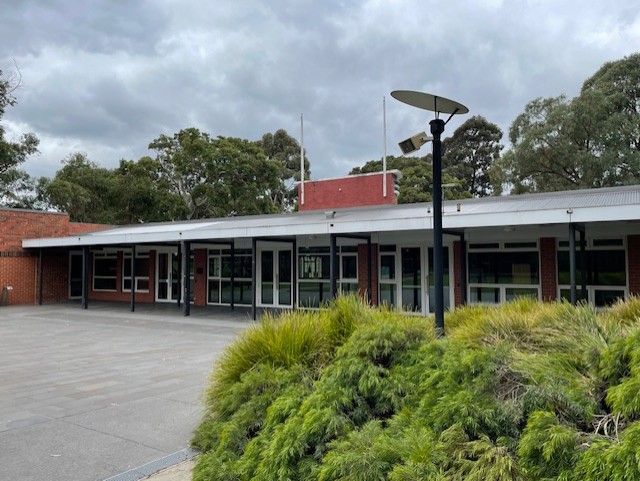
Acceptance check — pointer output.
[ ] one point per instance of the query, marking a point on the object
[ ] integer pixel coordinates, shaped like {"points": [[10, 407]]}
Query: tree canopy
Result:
{"points": [[15, 184], [469, 155], [468, 161], [592, 140]]}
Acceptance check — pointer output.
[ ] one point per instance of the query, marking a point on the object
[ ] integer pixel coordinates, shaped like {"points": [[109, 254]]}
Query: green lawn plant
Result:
{"points": [[525, 391]]}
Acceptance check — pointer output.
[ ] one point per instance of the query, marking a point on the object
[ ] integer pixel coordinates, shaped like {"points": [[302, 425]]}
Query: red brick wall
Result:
{"points": [[83, 228], [351, 191], [633, 258], [363, 280], [18, 271], [18, 267], [200, 277], [55, 278], [548, 277], [457, 267], [119, 294]]}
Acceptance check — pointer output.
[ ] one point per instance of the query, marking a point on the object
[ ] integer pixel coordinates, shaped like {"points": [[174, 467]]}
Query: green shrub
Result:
{"points": [[525, 391]]}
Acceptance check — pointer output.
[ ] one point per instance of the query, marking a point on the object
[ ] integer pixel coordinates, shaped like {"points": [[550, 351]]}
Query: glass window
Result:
{"points": [[485, 294], [604, 268], [349, 267], [219, 281], [503, 268], [105, 272], [142, 273], [388, 267]]}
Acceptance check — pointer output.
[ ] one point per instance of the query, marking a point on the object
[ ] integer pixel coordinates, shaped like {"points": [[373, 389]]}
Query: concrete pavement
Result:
{"points": [[89, 394]]}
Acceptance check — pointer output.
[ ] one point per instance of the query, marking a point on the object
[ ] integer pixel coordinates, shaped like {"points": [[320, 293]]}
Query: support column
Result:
{"points": [[369, 270], [583, 264], [572, 263], [85, 277], [170, 266], [254, 276], [463, 270], [133, 278], [437, 127], [233, 274], [294, 274], [40, 277], [333, 266]]}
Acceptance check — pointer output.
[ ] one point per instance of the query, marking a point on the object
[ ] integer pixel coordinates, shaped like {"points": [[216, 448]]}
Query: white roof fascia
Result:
{"points": [[474, 213]]}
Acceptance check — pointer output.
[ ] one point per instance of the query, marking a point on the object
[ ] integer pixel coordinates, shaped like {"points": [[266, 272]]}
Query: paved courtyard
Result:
{"points": [[89, 394]]}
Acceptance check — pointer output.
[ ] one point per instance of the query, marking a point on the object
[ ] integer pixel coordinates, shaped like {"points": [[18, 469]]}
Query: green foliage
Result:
{"points": [[592, 140], [521, 392], [417, 178], [469, 155], [16, 187]]}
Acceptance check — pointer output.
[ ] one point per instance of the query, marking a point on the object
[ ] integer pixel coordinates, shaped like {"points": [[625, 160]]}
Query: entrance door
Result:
{"points": [[411, 278], [168, 277], [75, 275], [275, 278]]}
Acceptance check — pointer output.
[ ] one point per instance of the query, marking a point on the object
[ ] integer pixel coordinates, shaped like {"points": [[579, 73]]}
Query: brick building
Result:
{"points": [[19, 266], [351, 239]]}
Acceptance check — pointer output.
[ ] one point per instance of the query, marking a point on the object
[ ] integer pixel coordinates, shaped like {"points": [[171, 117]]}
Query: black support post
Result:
{"points": [[85, 277], [233, 273], [572, 263], [583, 264], [437, 127], [170, 266], [294, 274], [369, 262], [254, 277], [133, 278], [186, 277], [40, 277], [463, 268], [333, 266]]}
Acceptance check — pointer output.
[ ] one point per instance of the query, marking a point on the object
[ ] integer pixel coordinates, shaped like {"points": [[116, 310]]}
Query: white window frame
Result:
{"points": [[125, 276], [104, 255], [592, 288], [502, 287]]}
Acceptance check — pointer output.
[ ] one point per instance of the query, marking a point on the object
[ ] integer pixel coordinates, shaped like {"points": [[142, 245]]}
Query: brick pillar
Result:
{"points": [[363, 280], [633, 260], [548, 270], [457, 275], [152, 276], [200, 277]]}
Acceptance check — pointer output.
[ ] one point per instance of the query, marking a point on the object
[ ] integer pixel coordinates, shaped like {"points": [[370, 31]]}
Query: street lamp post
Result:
{"points": [[438, 105]]}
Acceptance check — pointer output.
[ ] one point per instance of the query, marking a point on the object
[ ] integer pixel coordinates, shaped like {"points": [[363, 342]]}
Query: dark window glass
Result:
{"points": [[349, 267], [105, 267], [604, 268], [484, 245], [105, 284], [503, 268]]}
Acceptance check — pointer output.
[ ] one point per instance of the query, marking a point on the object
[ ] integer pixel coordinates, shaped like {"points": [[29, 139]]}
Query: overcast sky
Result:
{"points": [[108, 77]]}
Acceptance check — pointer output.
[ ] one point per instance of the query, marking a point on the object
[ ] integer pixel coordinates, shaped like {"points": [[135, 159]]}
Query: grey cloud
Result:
{"points": [[114, 75]]}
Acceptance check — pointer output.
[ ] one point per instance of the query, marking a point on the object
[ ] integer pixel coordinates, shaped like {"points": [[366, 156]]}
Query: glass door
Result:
{"points": [[275, 278], [168, 276], [75, 275], [411, 278]]}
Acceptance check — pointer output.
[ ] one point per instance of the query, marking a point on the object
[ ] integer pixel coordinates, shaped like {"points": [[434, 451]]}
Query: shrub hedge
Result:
{"points": [[522, 391]]}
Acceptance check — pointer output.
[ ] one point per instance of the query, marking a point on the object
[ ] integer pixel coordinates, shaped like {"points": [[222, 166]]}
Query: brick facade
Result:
{"points": [[200, 277], [457, 268], [18, 267], [363, 279], [548, 270], [351, 191]]}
